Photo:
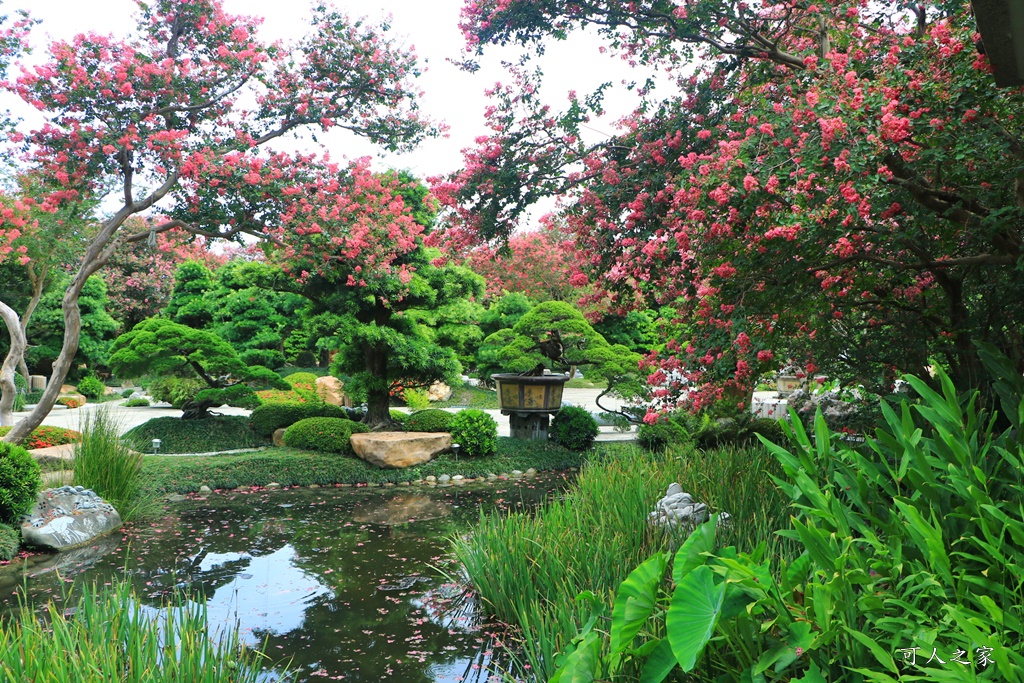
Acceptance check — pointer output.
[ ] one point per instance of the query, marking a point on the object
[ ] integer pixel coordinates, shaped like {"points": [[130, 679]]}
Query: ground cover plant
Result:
{"points": [[105, 463], [528, 569], [290, 467], [108, 634], [45, 436], [218, 433]]}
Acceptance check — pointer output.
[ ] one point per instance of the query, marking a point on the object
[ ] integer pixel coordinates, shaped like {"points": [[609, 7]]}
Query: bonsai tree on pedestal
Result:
{"points": [[163, 347], [555, 335]]}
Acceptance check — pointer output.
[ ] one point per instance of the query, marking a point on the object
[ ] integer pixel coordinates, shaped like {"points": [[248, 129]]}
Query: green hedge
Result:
{"points": [[323, 434], [269, 417], [432, 420], [208, 435]]}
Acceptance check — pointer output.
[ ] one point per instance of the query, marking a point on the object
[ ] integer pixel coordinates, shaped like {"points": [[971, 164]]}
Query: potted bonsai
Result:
{"points": [[547, 341]]}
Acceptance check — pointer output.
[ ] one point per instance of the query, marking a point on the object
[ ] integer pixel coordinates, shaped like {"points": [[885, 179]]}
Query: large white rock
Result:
{"points": [[67, 517], [400, 449], [439, 391]]}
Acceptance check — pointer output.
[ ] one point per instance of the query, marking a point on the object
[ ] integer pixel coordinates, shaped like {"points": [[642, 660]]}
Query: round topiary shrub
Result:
{"points": [[574, 428], [400, 417], [475, 431], [269, 417], [91, 387], [19, 482], [10, 539], [323, 434], [135, 403], [432, 420], [661, 434]]}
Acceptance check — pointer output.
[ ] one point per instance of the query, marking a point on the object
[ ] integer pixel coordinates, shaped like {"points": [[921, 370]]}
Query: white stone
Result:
{"points": [[68, 516]]}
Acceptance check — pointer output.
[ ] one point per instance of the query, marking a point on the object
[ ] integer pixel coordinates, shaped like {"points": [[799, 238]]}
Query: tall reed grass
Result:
{"points": [[110, 636], [529, 568], [105, 464]]}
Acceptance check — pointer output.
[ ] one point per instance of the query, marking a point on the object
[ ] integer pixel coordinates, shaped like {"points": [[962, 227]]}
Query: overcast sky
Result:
{"points": [[451, 95]]}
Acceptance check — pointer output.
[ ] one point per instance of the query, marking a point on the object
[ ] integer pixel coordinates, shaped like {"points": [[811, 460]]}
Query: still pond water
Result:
{"points": [[348, 584]]}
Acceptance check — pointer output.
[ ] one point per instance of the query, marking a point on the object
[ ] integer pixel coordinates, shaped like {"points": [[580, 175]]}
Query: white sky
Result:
{"points": [[450, 95]]}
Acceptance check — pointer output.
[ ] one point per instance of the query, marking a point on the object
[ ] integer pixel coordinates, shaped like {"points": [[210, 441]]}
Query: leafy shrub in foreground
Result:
{"points": [[432, 420], [664, 433], [218, 433], [136, 403], [269, 417], [10, 539], [19, 481], [399, 417], [574, 428], [323, 434], [306, 380], [91, 387], [475, 431]]}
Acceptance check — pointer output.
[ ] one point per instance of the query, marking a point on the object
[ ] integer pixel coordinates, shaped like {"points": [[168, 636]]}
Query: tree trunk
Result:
{"points": [[15, 354], [196, 410], [378, 398]]}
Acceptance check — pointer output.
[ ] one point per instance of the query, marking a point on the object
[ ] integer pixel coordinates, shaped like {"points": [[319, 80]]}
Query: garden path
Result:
{"points": [[132, 417]]}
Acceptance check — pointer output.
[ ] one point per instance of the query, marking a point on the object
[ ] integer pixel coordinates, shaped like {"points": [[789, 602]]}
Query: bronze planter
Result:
{"points": [[528, 401]]}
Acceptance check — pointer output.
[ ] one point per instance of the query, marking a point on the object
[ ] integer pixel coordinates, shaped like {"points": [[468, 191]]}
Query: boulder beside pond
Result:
{"points": [[68, 516], [400, 449]]}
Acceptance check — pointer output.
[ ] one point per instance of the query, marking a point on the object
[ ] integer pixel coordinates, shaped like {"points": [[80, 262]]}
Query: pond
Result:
{"points": [[346, 584]]}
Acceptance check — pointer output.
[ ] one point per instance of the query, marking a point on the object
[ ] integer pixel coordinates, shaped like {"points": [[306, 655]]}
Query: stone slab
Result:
{"points": [[396, 450]]}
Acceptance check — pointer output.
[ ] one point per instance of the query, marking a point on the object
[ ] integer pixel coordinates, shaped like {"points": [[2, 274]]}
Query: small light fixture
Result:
{"points": [[156, 445], [455, 450]]}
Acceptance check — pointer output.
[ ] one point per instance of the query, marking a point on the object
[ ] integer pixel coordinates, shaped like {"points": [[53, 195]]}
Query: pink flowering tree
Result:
{"points": [[838, 184], [357, 255], [190, 102]]}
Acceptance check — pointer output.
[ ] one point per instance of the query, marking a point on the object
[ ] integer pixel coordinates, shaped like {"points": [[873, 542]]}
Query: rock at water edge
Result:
{"points": [[68, 516]]}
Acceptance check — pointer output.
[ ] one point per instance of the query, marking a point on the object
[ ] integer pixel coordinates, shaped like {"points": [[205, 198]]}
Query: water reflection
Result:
{"points": [[327, 579]]}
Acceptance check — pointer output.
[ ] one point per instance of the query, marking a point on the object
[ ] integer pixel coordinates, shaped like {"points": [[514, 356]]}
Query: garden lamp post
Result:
{"points": [[156, 445], [455, 450]]}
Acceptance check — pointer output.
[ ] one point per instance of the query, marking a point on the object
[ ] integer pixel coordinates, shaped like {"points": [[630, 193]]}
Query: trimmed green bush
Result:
{"points": [[305, 378], [432, 420], [574, 428], [323, 434], [135, 403], [209, 435], [400, 417], [127, 393], [91, 387], [10, 539], [475, 431], [269, 417], [33, 397], [662, 434], [19, 481]]}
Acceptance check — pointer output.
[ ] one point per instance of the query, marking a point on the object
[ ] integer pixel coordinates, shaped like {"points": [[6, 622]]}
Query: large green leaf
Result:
{"points": [[635, 600], [581, 666], [696, 605], [689, 555], [660, 664]]}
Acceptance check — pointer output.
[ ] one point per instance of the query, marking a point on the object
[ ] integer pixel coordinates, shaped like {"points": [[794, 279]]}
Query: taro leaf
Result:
{"points": [[702, 540], [660, 664], [581, 666], [636, 599], [696, 605]]}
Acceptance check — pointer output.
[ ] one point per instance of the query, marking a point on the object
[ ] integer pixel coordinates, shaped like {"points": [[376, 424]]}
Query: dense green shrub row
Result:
{"points": [[10, 540], [432, 420], [209, 435], [323, 434], [269, 417]]}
